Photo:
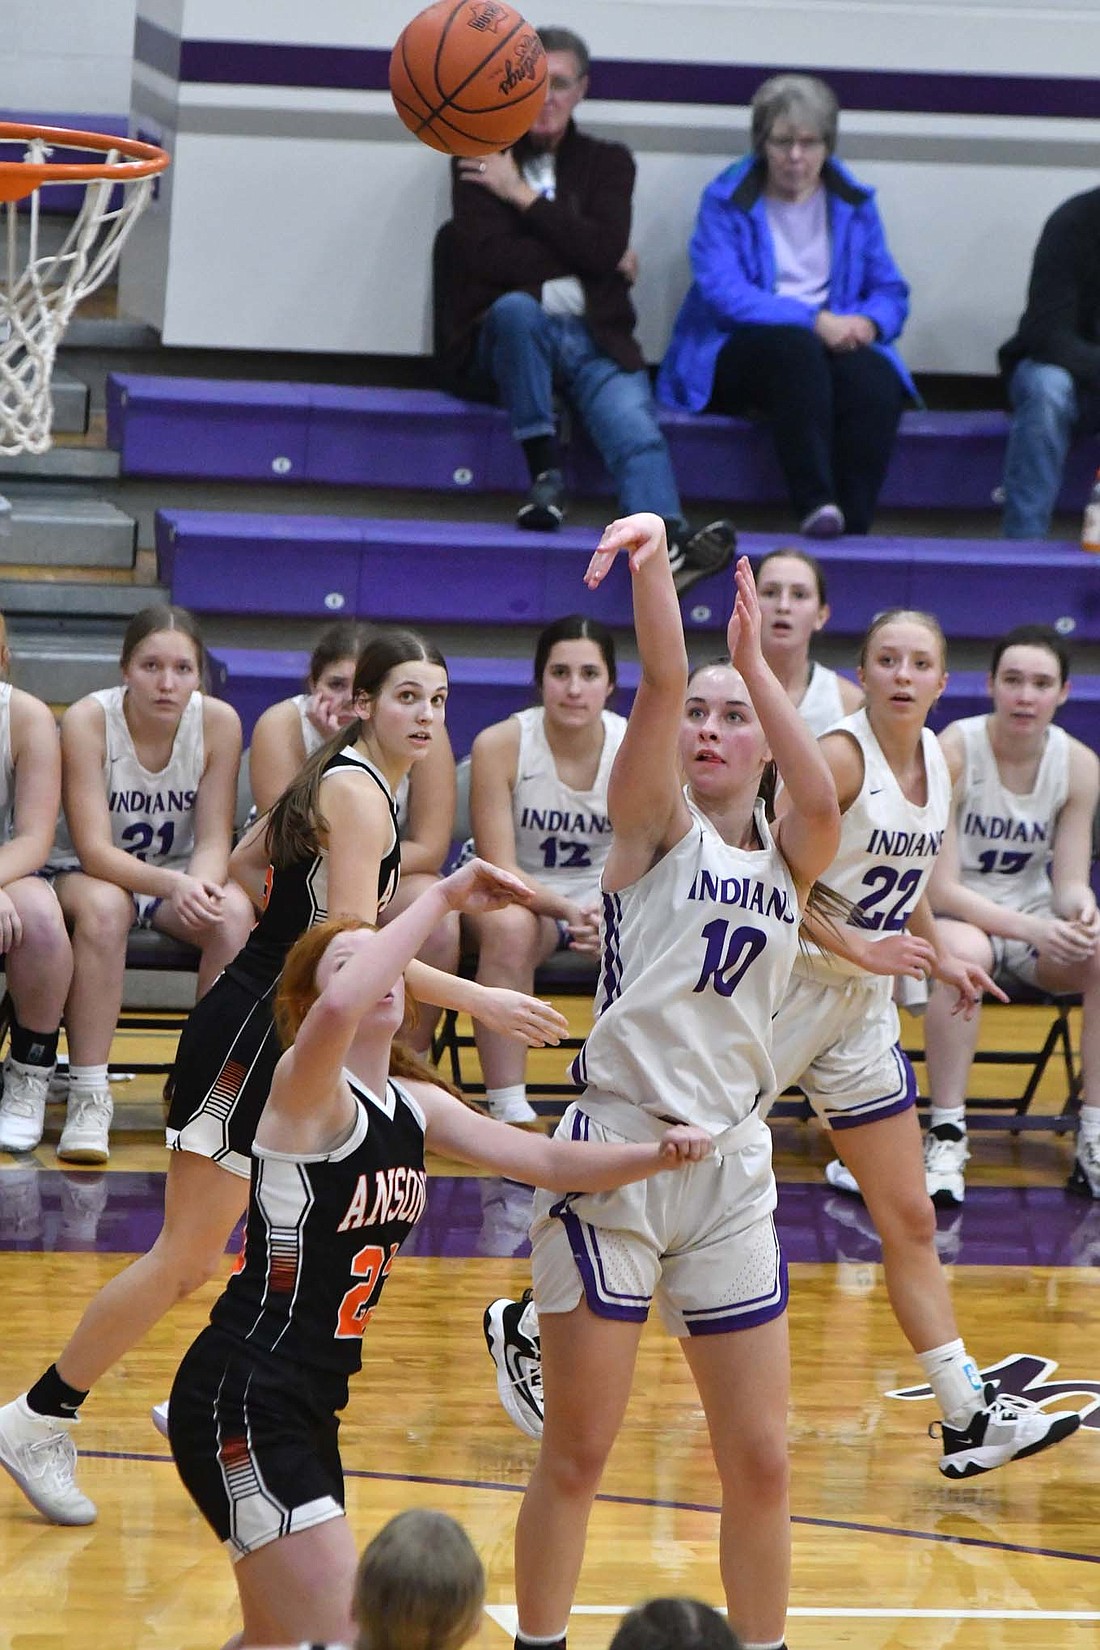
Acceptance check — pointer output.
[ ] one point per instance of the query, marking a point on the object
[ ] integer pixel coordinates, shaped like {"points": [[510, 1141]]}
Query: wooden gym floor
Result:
{"points": [[887, 1554]]}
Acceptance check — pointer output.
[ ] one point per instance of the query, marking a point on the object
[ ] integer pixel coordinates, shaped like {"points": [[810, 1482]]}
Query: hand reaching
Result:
{"points": [[969, 982], [479, 886], [534, 1022], [642, 535], [743, 630], [900, 954]]}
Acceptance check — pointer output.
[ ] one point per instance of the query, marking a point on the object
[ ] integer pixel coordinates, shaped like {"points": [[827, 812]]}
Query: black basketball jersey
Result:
{"points": [[322, 1233], [298, 893]]}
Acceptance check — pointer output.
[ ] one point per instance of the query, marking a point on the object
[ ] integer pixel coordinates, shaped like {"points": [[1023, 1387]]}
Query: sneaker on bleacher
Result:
{"points": [[84, 1139], [23, 1106], [945, 1155]]}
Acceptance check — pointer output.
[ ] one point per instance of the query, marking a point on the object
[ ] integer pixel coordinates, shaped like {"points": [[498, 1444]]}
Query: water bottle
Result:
{"points": [[1090, 526]]}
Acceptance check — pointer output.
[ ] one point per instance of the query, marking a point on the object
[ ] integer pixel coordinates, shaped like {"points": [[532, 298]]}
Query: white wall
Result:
{"points": [[67, 56]]}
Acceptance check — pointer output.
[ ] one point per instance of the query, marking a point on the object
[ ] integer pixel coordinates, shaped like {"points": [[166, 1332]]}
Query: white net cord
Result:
{"points": [[43, 288]]}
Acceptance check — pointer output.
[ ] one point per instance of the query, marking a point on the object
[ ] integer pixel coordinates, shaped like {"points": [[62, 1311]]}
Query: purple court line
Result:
{"points": [[669, 1506]]}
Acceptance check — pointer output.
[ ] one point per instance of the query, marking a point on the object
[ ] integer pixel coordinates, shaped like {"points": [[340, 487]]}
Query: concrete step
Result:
{"points": [[60, 530], [62, 463], [60, 668], [75, 602], [71, 400]]}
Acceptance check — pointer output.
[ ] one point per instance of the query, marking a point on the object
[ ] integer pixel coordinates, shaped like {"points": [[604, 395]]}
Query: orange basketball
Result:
{"points": [[468, 77]]}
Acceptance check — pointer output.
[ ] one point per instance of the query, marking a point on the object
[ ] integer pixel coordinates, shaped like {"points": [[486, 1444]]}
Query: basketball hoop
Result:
{"points": [[40, 289]]}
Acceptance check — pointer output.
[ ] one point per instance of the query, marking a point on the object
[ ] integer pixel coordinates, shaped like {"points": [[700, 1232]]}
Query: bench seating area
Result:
{"points": [[485, 690], [375, 437], [437, 571]]}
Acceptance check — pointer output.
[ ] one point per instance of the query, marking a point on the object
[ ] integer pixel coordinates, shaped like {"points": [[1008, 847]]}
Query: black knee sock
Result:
{"points": [[50, 1395], [33, 1048], [541, 453]]}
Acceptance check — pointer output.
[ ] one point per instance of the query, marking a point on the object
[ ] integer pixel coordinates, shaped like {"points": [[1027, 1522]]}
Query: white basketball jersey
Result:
{"points": [[312, 740], [696, 957], [1006, 841], [152, 814], [563, 836], [820, 705], [887, 846], [7, 766]]}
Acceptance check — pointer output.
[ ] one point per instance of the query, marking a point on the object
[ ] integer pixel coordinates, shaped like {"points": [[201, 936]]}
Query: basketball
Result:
{"points": [[468, 77]]}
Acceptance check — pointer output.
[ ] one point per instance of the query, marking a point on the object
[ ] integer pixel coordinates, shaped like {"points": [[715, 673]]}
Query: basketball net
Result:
{"points": [[43, 289]]}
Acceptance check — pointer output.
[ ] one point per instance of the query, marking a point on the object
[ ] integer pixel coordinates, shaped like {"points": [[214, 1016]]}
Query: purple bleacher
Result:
{"points": [[485, 690], [292, 433], [486, 573]]}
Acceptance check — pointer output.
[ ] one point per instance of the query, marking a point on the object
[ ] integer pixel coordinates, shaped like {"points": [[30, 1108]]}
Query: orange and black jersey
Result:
{"points": [[322, 1233], [298, 893]]}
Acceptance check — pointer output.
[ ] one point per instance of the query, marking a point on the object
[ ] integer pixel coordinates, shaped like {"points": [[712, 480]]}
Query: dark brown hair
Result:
{"points": [[296, 821], [674, 1624], [574, 627], [345, 640], [811, 562], [1033, 635]]}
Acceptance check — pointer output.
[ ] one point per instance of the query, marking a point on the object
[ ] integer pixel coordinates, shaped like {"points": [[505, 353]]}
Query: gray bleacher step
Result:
{"points": [[68, 601], [109, 332], [71, 399], [62, 463], [60, 668], [56, 531]]}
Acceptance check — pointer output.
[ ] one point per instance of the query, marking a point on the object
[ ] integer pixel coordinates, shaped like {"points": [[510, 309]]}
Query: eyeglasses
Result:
{"points": [[787, 145]]}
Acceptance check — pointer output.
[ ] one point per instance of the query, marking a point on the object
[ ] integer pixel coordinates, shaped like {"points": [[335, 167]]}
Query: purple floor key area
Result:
{"points": [[468, 1217]]}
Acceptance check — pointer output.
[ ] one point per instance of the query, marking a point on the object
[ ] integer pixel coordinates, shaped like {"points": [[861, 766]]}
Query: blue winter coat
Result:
{"points": [[733, 262]]}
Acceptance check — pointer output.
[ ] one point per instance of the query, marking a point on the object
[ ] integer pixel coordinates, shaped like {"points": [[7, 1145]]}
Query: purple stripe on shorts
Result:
{"points": [[586, 1254], [731, 1322], [888, 1106]]}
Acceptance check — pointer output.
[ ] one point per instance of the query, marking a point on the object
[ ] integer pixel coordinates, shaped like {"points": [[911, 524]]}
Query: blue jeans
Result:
{"points": [[527, 354], [1045, 415]]}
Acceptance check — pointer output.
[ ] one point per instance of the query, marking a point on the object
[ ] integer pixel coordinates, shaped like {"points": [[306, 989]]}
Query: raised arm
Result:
{"points": [[809, 831], [645, 799]]}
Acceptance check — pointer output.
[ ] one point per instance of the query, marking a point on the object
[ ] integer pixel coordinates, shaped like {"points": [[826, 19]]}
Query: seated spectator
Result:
{"points": [[533, 297], [38, 962], [538, 803], [674, 1624], [790, 587], [149, 785], [294, 728], [1011, 887], [1051, 366], [794, 308]]}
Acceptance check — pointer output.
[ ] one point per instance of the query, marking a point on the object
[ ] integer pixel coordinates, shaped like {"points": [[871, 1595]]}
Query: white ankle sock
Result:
{"points": [[88, 1077], [956, 1381], [947, 1114], [514, 1094], [1088, 1123]]}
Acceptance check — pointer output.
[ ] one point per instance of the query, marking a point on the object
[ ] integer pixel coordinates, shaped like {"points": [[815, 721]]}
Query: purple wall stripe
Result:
{"points": [[249, 63]]}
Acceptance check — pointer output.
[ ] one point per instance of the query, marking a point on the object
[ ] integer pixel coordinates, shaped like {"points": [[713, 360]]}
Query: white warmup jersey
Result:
{"points": [[7, 766], [1006, 841], [563, 836], [152, 814], [820, 705], [888, 846], [696, 956], [312, 740]]}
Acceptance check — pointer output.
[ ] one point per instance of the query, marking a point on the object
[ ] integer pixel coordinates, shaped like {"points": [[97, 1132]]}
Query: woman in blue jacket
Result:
{"points": [[794, 308]]}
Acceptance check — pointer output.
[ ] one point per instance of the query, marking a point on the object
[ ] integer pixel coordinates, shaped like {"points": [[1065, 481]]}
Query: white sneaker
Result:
{"points": [[40, 1455], [1004, 1429], [23, 1107], [946, 1151], [842, 1179], [512, 1111], [159, 1417], [1084, 1179], [512, 1336], [83, 1200], [84, 1137]]}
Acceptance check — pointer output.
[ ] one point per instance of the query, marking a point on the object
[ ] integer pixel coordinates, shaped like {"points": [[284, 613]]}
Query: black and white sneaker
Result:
{"points": [[543, 510], [1084, 1180], [1005, 1429], [512, 1336], [706, 552]]}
